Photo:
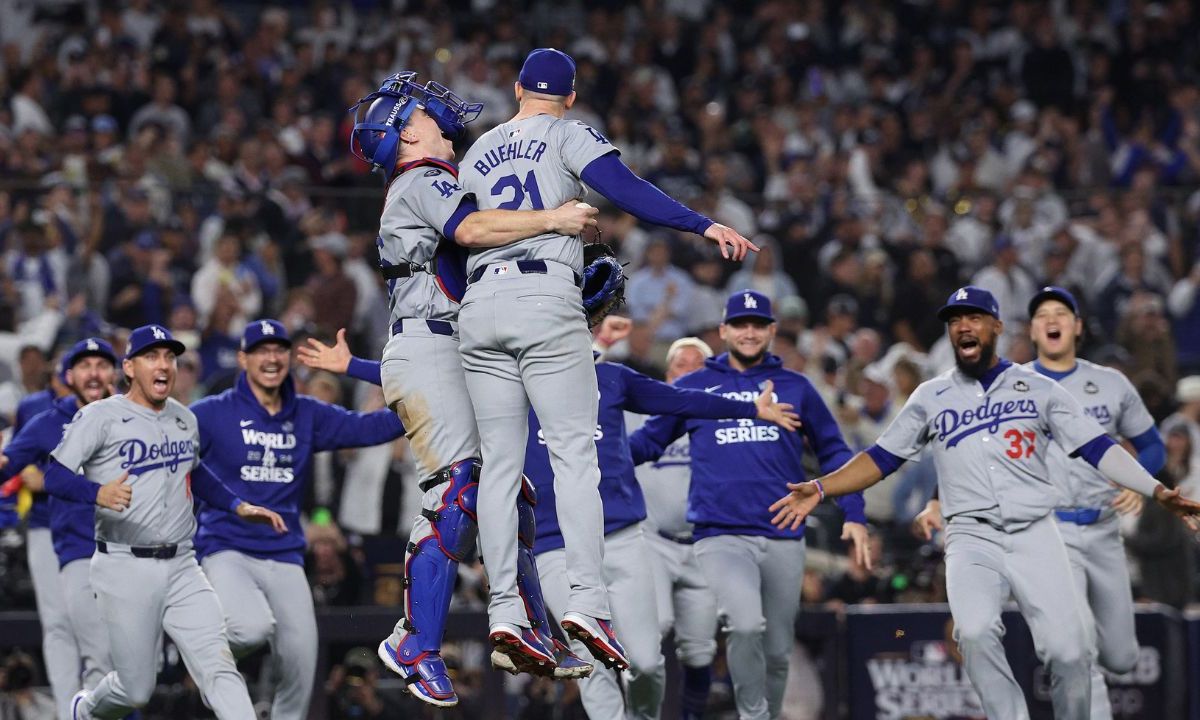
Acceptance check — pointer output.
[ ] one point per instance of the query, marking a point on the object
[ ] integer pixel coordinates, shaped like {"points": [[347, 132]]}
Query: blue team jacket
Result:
{"points": [[72, 525], [740, 467], [621, 389], [30, 406], [264, 459]]}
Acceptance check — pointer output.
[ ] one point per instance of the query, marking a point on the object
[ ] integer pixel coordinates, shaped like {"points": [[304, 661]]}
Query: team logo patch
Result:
{"points": [[1020, 386], [961, 294], [1090, 388], [92, 345], [158, 332], [749, 302], [267, 328], [433, 172]]}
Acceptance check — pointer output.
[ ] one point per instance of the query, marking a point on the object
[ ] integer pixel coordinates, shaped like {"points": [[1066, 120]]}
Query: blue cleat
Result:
{"points": [[425, 676]]}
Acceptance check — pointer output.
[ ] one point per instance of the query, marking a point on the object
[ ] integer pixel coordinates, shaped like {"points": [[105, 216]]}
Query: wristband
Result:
{"points": [[820, 488]]}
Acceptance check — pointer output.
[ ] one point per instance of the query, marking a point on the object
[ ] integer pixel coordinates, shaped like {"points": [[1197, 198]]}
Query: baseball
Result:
{"points": [[582, 205]]}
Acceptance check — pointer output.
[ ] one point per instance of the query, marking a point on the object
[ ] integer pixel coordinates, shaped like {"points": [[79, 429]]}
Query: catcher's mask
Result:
{"points": [[380, 116]]}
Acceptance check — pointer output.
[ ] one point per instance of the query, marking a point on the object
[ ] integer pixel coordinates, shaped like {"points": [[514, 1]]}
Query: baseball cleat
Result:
{"points": [[522, 648], [599, 638], [78, 711], [427, 678], [570, 665]]}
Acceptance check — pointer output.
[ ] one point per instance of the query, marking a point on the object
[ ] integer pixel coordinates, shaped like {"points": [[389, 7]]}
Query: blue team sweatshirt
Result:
{"points": [[740, 467], [621, 389], [264, 459], [72, 524], [32, 405]]}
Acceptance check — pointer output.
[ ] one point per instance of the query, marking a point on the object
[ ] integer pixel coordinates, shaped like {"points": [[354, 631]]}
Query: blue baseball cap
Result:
{"points": [[88, 347], [548, 71], [151, 336], [969, 297], [1053, 292], [265, 330], [748, 304]]}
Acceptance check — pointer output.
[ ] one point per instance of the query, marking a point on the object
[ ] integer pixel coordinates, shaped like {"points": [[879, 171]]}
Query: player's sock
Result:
{"points": [[696, 683]]}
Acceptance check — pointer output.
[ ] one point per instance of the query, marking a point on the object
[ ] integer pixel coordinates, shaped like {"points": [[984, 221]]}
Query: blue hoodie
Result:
{"points": [[621, 388], [264, 459], [72, 524], [30, 406], [741, 467]]}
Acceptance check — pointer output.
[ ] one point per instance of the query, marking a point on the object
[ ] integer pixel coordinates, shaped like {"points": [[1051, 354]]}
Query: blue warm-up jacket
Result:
{"points": [[31, 406]]}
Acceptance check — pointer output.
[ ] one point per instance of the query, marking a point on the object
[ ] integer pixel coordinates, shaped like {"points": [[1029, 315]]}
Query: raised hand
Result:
{"points": [[613, 329], [779, 413], [317, 354], [115, 495], [733, 245], [929, 520], [1180, 506], [791, 509], [257, 514]]}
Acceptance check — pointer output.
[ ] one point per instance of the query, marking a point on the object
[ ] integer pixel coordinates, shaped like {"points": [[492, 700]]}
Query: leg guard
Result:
{"points": [[443, 535]]}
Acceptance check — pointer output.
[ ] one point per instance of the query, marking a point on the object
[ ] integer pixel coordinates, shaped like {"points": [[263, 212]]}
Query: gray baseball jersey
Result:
{"points": [[1110, 399], [665, 484], [419, 203], [158, 449], [531, 164], [990, 446]]}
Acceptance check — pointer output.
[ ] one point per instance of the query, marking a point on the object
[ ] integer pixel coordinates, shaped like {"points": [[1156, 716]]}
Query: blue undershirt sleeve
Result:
{"points": [[614, 180]]}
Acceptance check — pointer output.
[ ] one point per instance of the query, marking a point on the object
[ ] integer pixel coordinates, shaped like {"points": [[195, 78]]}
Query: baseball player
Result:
{"points": [[73, 635], [738, 466], [685, 601], [137, 454], [627, 555], [525, 339], [404, 131], [988, 425], [1087, 513], [338, 359], [265, 456]]}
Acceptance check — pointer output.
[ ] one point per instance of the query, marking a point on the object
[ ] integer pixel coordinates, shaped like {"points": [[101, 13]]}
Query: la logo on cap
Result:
{"points": [[158, 333], [749, 302], [91, 345], [961, 295], [267, 329]]}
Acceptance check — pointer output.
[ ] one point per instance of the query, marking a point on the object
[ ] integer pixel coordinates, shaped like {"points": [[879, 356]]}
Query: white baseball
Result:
{"points": [[582, 205]]}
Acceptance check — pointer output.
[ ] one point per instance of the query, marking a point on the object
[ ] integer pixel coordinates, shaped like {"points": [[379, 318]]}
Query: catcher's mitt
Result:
{"points": [[603, 282]]}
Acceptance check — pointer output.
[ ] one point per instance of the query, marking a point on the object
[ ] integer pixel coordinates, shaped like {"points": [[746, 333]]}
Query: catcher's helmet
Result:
{"points": [[380, 116]]}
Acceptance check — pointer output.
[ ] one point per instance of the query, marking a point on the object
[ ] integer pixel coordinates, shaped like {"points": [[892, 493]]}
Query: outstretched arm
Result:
{"points": [[337, 359], [474, 228], [855, 476], [614, 180]]}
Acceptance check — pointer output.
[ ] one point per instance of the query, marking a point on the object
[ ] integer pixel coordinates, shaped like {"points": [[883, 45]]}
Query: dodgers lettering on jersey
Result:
{"points": [[532, 164], [1110, 399], [71, 523], [990, 445], [420, 201], [739, 467], [158, 449], [264, 459], [621, 388]]}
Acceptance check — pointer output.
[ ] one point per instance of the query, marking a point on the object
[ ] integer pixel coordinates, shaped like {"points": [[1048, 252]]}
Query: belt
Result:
{"points": [[399, 272], [523, 266], [157, 552], [1079, 516], [437, 327], [681, 539]]}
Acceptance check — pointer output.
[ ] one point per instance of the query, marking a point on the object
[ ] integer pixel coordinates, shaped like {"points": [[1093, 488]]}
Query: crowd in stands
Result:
{"points": [[186, 163]]}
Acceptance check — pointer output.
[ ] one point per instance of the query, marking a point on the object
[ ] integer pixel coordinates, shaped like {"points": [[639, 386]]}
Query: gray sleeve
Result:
{"points": [[581, 144], [1069, 425], [434, 197], [909, 432], [1133, 418], [85, 435]]}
